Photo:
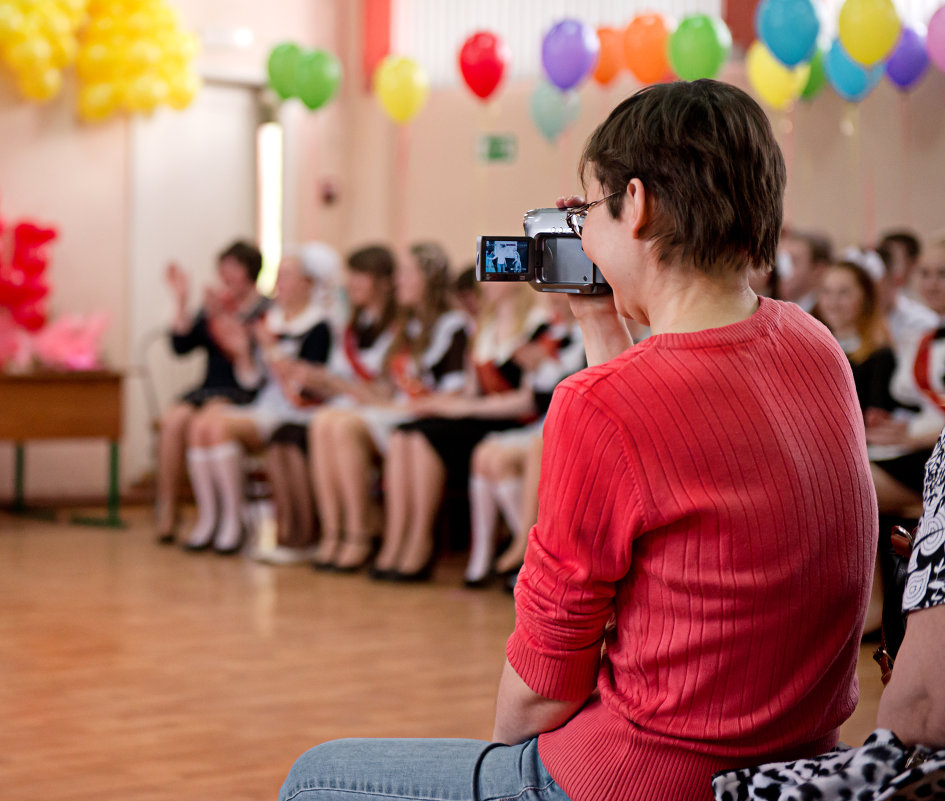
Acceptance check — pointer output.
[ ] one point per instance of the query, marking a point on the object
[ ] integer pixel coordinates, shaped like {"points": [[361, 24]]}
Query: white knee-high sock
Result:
{"points": [[483, 516], [227, 463], [508, 494], [201, 479]]}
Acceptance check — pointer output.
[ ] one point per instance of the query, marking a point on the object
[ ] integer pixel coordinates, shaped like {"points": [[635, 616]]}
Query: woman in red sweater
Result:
{"points": [[693, 592]]}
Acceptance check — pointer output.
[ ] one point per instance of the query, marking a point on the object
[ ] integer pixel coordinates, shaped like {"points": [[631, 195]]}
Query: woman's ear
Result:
{"points": [[634, 206]]}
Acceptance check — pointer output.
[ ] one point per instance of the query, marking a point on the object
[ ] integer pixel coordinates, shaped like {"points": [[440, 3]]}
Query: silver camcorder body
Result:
{"points": [[549, 256]]}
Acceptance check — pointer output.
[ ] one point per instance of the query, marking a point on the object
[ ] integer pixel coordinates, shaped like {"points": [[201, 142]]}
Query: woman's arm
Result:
{"points": [[913, 704], [521, 713], [605, 332], [501, 405]]}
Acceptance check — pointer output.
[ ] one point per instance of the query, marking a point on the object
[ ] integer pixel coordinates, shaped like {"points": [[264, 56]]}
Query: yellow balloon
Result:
{"points": [[95, 62], [145, 94], [42, 85], [30, 55], [182, 90], [401, 86], [64, 51], [868, 29], [775, 84], [97, 101], [12, 23]]}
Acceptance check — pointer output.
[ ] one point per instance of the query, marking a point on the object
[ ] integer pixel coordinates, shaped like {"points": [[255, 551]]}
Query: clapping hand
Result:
{"points": [[883, 429], [178, 282]]}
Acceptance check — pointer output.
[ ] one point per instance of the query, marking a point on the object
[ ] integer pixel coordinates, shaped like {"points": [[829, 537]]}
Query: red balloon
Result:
{"points": [[31, 316], [482, 61]]}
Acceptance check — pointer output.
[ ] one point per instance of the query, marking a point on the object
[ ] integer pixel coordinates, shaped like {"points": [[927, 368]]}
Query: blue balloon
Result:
{"points": [[851, 80], [789, 29], [552, 110]]}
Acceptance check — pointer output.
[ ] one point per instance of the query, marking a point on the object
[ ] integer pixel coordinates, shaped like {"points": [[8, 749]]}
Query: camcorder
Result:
{"points": [[549, 256]]}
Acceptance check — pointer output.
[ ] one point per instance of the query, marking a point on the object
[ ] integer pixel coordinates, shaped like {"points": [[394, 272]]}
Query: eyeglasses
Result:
{"points": [[576, 216]]}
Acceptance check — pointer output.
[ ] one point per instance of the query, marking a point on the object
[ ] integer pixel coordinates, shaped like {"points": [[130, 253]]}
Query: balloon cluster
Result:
{"points": [[871, 40], [134, 56], [38, 40], [312, 76], [23, 288]]}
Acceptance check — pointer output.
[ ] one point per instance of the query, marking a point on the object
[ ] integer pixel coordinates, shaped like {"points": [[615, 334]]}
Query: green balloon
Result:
{"points": [[317, 78], [818, 77], [282, 67], [699, 47]]}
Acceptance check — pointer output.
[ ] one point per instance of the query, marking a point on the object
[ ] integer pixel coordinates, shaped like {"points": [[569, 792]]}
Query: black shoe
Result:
{"points": [[233, 549], [167, 538], [482, 582], [196, 547], [378, 574], [425, 573]]}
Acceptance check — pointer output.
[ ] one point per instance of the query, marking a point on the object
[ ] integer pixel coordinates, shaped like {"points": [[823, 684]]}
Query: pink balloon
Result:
{"points": [[935, 39]]}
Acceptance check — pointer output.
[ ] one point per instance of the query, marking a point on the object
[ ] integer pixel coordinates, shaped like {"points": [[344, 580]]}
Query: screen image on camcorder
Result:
{"points": [[506, 257]]}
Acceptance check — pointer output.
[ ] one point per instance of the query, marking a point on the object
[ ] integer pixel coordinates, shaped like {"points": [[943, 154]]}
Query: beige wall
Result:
{"points": [[422, 181]]}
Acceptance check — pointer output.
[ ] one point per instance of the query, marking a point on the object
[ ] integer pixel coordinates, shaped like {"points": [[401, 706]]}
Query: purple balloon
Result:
{"points": [[909, 60], [569, 52]]}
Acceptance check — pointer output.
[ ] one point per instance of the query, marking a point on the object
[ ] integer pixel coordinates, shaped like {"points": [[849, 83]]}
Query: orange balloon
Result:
{"points": [[644, 46], [611, 58]]}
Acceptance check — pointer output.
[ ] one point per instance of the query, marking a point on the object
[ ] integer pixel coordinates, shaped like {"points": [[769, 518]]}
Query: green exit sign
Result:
{"points": [[497, 148]]}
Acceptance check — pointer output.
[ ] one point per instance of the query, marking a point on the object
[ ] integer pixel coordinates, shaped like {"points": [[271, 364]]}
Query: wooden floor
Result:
{"points": [[129, 671]]}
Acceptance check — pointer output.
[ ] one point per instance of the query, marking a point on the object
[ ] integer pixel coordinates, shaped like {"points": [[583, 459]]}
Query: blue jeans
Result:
{"points": [[421, 770]]}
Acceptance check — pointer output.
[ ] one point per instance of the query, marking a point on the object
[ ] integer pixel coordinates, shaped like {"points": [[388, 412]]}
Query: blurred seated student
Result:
{"points": [[765, 282], [913, 704], [901, 442], [468, 293], [236, 297], [294, 330], [505, 465], [909, 318], [348, 443], [801, 258], [355, 374], [424, 453], [848, 304]]}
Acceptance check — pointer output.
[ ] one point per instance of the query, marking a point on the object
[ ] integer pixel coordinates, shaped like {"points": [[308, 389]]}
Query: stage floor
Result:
{"points": [[129, 670]]}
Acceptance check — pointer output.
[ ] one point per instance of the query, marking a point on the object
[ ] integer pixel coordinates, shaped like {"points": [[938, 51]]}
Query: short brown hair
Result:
{"points": [[247, 255], [711, 167]]}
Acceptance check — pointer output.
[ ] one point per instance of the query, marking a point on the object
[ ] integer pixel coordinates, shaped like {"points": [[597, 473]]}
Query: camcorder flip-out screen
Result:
{"points": [[504, 258], [550, 257]]}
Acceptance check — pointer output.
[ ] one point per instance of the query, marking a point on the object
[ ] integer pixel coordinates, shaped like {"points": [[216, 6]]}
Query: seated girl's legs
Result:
{"points": [[172, 447], [277, 474], [483, 509], [427, 479], [325, 484], [513, 556], [302, 533], [202, 480], [396, 502], [431, 770], [355, 453], [222, 435]]}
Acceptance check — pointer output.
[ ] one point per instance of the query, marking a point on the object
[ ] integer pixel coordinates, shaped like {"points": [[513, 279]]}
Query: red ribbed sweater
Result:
{"points": [[706, 514]]}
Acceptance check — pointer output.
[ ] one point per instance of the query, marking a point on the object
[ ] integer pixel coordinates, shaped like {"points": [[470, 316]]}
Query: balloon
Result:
{"points": [[909, 60], [935, 39], [182, 89], [552, 110], [699, 47], [817, 78], [789, 29], [644, 45], [401, 86], [569, 52], [317, 78], [145, 94], [97, 101], [868, 29], [282, 66], [852, 81], [12, 23], [31, 316], [42, 85], [482, 62], [776, 84], [611, 59]]}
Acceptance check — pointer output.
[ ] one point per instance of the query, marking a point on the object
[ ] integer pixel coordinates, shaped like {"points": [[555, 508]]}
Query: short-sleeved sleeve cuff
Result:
{"points": [[570, 677]]}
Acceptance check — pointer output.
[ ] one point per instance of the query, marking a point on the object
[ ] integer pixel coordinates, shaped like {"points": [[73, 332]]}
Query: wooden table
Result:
{"points": [[47, 404]]}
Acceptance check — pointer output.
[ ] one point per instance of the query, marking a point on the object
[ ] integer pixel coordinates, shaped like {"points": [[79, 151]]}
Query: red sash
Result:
{"points": [[920, 369], [401, 373], [354, 358], [491, 380]]}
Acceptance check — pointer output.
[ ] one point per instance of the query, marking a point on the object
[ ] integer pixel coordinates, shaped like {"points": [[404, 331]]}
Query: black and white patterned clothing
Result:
{"points": [[442, 365], [370, 349], [925, 586]]}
